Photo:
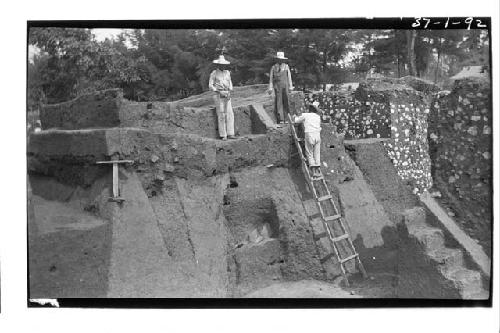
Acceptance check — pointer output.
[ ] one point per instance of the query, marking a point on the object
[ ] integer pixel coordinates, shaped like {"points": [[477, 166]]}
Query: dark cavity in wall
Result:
{"points": [[250, 221]]}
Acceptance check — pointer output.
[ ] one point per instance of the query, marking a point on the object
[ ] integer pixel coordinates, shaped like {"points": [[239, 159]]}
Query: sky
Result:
{"points": [[102, 34]]}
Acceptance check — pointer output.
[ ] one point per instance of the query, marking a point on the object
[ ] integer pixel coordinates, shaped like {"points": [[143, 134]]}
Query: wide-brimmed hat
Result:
{"points": [[221, 60], [281, 55]]}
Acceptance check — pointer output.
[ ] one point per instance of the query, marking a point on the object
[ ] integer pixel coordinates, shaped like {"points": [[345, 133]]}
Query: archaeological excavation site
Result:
{"points": [[143, 200]]}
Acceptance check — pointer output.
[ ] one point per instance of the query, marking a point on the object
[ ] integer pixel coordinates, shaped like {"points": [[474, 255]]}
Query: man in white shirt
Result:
{"points": [[280, 81], [312, 130], [220, 83]]}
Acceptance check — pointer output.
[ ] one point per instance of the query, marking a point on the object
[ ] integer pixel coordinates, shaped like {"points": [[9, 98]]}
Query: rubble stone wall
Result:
{"points": [[408, 147], [460, 137], [391, 109], [357, 118]]}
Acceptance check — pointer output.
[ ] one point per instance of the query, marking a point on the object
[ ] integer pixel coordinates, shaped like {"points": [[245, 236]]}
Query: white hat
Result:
{"points": [[280, 55], [221, 60], [315, 103]]}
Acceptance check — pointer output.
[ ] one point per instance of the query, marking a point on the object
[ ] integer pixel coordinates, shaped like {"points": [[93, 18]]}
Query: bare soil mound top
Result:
{"points": [[256, 93]]}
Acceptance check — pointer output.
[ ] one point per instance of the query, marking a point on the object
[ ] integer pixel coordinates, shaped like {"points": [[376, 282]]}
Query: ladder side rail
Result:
{"points": [[336, 252], [335, 208]]}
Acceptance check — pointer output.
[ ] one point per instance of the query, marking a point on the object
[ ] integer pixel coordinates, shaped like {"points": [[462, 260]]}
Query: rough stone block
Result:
{"points": [[447, 257], [468, 282], [415, 216], [430, 238]]}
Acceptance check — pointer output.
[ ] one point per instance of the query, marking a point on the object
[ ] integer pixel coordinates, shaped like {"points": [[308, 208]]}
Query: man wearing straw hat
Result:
{"points": [[220, 83], [280, 81]]}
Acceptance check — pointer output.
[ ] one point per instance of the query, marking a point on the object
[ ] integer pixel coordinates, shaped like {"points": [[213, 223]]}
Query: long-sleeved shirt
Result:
{"points": [[220, 81], [280, 67], [312, 122]]}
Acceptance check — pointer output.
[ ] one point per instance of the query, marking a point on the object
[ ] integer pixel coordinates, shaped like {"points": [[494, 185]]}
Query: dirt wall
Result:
{"points": [[220, 236], [271, 233], [69, 244], [70, 156], [101, 109]]}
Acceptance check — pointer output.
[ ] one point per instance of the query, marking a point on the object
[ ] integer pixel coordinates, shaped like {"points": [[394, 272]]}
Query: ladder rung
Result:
{"points": [[318, 178], [320, 235], [355, 255], [315, 216], [332, 217], [337, 239], [325, 197], [116, 199], [328, 256]]}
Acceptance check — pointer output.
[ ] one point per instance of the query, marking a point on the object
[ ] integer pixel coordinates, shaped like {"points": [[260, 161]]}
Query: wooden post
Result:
{"points": [[116, 179]]}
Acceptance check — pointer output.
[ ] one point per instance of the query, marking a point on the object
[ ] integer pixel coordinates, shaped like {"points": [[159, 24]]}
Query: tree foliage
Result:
{"points": [[171, 64]]}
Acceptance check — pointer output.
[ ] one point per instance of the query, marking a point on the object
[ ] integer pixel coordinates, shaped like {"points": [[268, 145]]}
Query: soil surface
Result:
{"points": [[380, 285], [301, 289]]}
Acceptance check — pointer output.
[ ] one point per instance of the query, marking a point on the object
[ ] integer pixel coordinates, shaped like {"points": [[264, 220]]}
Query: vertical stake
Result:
{"points": [[116, 180], [115, 160]]}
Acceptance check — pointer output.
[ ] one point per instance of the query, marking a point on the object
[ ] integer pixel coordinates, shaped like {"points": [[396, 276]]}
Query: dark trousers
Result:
{"points": [[281, 105]]}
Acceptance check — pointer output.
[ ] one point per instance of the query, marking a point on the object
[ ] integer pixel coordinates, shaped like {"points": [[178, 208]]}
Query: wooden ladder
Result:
{"points": [[316, 184]]}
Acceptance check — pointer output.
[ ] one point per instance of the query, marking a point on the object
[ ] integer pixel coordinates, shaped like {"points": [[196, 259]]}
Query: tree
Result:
{"points": [[330, 46], [170, 64], [72, 62], [411, 35], [68, 57]]}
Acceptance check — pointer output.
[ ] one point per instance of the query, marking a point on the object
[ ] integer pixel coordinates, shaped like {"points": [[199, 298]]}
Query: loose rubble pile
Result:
{"points": [[460, 137]]}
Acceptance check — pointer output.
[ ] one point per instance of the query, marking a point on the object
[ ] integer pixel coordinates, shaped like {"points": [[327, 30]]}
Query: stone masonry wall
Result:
{"points": [[460, 137], [356, 118], [391, 109]]}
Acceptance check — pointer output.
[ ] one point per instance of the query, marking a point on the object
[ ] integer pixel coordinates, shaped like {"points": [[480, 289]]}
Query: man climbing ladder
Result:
{"points": [[312, 130], [340, 242]]}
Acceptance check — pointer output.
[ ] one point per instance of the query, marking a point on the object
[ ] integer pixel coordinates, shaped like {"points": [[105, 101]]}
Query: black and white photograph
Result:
{"points": [[224, 166], [330, 160]]}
